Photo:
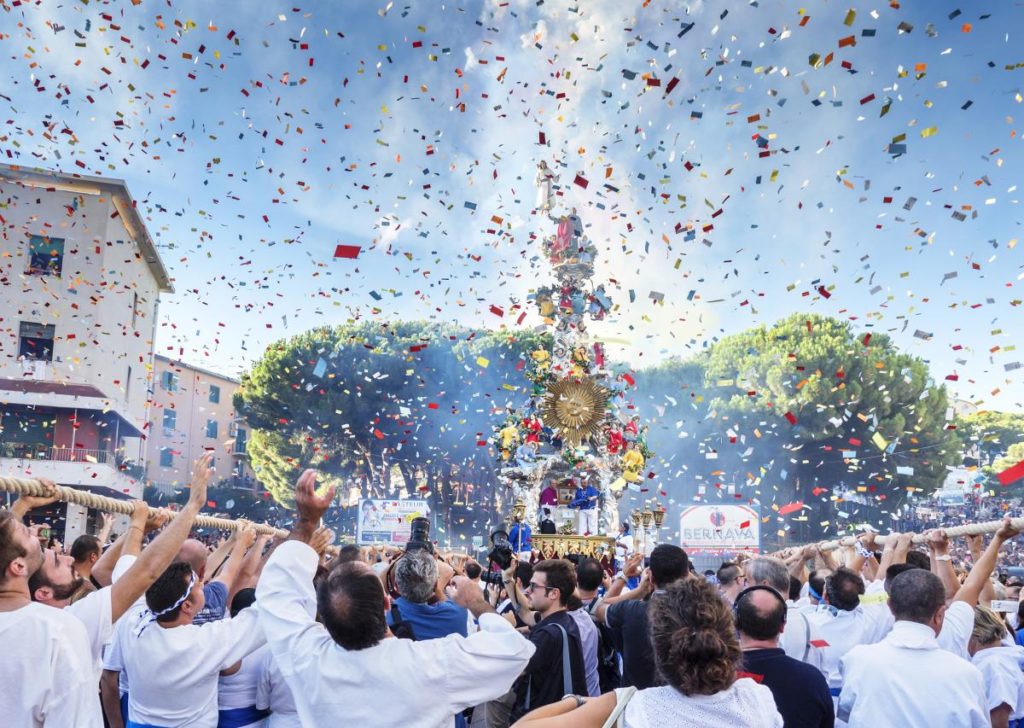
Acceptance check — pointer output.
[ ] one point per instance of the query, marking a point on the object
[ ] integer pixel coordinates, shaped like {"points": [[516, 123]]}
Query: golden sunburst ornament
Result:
{"points": [[575, 408]]}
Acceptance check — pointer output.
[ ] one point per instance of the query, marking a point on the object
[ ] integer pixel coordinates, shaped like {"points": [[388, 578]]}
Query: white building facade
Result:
{"points": [[81, 280]]}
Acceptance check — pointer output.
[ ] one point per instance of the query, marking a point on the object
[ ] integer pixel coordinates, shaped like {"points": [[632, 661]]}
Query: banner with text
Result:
{"points": [[387, 522], [720, 529]]}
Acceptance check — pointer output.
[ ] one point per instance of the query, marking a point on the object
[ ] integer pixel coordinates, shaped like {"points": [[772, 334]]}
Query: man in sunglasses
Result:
{"points": [[800, 690], [556, 637]]}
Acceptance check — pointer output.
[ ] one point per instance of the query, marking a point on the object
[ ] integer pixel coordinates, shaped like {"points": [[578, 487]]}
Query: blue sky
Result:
{"points": [[258, 136]]}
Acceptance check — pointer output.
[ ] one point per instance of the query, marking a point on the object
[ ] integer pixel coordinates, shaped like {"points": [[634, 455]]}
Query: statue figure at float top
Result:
{"points": [[573, 429]]}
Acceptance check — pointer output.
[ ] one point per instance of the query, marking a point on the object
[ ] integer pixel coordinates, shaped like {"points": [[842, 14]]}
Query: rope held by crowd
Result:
{"points": [[33, 487], [969, 529]]}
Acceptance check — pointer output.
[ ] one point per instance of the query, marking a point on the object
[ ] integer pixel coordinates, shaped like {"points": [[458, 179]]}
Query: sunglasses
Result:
{"points": [[533, 586]]}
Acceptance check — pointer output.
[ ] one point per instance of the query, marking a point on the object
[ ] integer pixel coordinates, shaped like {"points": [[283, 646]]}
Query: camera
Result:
{"points": [[419, 537], [501, 548], [491, 577]]}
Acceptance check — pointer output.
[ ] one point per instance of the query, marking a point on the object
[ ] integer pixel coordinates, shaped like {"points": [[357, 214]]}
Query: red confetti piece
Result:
{"points": [[820, 643], [1011, 474], [791, 418], [581, 181], [745, 524], [790, 508], [497, 310], [347, 251]]}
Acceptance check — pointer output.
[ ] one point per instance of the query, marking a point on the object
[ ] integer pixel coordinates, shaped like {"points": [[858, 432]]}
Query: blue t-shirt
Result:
{"points": [[216, 594], [432, 621]]}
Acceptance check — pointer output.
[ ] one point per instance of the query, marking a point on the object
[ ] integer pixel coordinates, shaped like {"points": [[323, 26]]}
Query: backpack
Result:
{"points": [[607, 658]]}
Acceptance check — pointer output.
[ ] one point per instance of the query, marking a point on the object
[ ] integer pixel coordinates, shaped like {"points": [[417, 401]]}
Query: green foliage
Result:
{"points": [[993, 433], [354, 400], [841, 387]]}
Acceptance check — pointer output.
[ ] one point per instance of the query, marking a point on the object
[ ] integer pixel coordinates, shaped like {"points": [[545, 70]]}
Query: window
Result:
{"points": [[166, 457], [214, 393], [211, 428], [240, 441], [45, 255], [169, 381], [36, 341], [170, 420]]}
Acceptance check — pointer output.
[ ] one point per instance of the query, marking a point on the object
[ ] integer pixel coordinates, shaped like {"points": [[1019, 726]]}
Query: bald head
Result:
{"points": [[760, 614], [194, 553]]}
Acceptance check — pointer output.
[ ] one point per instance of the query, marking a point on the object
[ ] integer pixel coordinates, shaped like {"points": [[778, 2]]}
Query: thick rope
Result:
{"points": [[970, 529], [32, 487]]}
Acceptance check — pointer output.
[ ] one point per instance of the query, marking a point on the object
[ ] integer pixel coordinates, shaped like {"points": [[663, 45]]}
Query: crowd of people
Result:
{"points": [[160, 630]]}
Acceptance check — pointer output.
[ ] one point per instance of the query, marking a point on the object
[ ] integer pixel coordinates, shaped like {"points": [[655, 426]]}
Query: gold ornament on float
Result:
{"points": [[575, 408]]}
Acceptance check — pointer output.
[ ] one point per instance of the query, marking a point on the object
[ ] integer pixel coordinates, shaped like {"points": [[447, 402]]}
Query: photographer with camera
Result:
{"points": [[421, 606]]}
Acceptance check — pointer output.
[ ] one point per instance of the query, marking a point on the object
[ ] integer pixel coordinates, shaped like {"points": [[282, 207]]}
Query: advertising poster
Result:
{"points": [[720, 529], [387, 522]]}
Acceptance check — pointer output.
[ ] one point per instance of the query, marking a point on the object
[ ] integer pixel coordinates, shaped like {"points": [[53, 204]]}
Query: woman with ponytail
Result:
{"points": [[697, 653]]}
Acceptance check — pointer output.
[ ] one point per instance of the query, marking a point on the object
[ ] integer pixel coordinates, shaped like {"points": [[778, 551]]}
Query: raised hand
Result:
{"points": [[201, 473], [937, 540], [1007, 530], [311, 507], [26, 503], [633, 565]]}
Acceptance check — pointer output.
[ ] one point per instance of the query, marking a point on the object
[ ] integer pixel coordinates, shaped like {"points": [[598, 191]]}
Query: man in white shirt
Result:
{"points": [[45, 676], [907, 679], [347, 669], [842, 623], [36, 585], [174, 664]]}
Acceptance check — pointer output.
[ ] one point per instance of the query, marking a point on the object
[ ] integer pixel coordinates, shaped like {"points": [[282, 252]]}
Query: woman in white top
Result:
{"points": [[697, 653], [1000, 664]]}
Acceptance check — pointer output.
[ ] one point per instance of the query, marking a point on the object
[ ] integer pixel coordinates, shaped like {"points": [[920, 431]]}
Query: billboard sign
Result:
{"points": [[720, 529], [387, 522]]}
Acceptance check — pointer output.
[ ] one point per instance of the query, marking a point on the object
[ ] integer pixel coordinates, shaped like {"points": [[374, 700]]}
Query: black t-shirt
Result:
{"points": [[800, 690], [545, 667], [627, 621]]}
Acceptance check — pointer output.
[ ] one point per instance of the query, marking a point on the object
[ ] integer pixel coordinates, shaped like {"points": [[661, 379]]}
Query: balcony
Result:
{"points": [[71, 466]]}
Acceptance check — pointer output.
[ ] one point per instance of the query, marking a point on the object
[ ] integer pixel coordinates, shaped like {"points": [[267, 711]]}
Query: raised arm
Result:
{"points": [[982, 569], [26, 503], [285, 591], [941, 561], [128, 543], [159, 554], [108, 525], [243, 538], [252, 564]]}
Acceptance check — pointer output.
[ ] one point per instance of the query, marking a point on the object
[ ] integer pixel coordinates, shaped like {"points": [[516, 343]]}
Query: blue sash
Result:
{"points": [[124, 708], [238, 717], [834, 692], [133, 724]]}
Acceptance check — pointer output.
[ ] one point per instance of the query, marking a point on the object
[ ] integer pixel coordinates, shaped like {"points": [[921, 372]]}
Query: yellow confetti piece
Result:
{"points": [[930, 131], [483, 362], [879, 441]]}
